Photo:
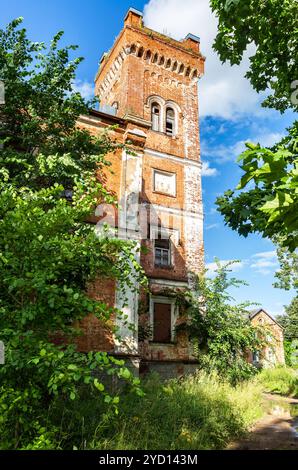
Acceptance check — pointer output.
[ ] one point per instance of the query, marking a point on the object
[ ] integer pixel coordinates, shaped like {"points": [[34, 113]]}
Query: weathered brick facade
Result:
{"points": [[273, 353], [158, 187], [148, 87]]}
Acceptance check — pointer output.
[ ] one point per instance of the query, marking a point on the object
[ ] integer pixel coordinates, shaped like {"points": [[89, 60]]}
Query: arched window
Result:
{"points": [[170, 121], [133, 49], [141, 52], [155, 116], [155, 58], [148, 56], [115, 105], [168, 64]]}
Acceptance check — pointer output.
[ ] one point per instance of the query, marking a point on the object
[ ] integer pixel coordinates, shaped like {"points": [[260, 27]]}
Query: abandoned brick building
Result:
{"points": [[148, 87], [273, 353]]}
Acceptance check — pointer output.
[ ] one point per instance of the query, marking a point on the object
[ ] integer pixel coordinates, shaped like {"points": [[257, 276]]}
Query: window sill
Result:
{"points": [[165, 134], [159, 266], [164, 194]]}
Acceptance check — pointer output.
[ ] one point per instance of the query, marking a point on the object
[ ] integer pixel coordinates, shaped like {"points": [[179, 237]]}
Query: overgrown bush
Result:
{"points": [[221, 330], [51, 176], [282, 380]]}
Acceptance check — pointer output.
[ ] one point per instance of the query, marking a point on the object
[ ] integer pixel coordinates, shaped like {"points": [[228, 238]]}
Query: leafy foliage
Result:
{"points": [[291, 353], [222, 330], [290, 320], [271, 26], [267, 197], [282, 380], [290, 323], [50, 183], [287, 275], [271, 206]]}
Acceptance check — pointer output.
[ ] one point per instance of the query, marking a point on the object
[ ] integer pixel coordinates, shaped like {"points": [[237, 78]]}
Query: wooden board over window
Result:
{"points": [[162, 324]]}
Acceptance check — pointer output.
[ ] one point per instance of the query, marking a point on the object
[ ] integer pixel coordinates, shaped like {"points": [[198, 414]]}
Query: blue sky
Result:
{"points": [[230, 112]]}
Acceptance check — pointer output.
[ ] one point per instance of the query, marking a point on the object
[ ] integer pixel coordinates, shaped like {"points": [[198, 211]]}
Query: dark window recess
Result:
{"points": [[162, 252], [68, 194], [162, 323], [170, 121], [256, 356], [169, 128]]}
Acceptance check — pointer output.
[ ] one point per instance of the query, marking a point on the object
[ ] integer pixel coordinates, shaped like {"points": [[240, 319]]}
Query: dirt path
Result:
{"points": [[276, 430]]}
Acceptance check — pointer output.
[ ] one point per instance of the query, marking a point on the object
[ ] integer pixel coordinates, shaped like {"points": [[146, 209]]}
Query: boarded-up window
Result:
{"points": [[164, 182], [162, 324]]}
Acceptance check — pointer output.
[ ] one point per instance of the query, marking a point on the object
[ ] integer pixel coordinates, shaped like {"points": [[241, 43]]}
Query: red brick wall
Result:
{"points": [[97, 335], [130, 80]]}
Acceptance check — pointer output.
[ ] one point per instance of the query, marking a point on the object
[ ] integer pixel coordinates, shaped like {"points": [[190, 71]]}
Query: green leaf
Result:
{"points": [[98, 385], [125, 373]]}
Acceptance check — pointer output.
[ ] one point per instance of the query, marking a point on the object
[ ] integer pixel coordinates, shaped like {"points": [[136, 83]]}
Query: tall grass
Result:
{"points": [[195, 413], [282, 380], [198, 412]]}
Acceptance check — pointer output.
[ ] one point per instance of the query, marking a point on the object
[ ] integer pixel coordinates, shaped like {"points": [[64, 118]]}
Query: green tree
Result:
{"points": [[49, 186], [290, 323], [287, 275], [269, 205], [220, 329], [271, 27], [290, 320]]}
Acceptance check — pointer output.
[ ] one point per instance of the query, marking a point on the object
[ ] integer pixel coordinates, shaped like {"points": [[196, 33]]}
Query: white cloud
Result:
{"points": [[224, 92], [211, 226], [235, 267], [85, 88], [213, 210], [265, 254], [268, 140], [224, 153], [277, 309], [208, 171], [264, 263]]}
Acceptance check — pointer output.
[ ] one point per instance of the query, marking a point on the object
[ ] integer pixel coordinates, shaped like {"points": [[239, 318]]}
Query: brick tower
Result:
{"points": [[148, 86]]}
